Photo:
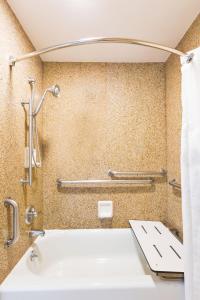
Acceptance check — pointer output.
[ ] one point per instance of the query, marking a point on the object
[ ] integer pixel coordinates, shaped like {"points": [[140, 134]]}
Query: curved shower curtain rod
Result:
{"points": [[96, 40]]}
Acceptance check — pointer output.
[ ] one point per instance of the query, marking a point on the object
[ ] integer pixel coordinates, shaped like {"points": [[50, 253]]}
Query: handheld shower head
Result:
{"points": [[55, 90]]}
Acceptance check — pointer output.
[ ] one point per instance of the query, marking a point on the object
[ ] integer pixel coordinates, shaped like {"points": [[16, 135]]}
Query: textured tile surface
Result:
{"points": [[13, 131], [190, 41], [108, 116]]}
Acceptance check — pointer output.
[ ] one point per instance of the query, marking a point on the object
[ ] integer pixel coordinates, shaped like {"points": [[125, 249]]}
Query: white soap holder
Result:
{"points": [[105, 209]]}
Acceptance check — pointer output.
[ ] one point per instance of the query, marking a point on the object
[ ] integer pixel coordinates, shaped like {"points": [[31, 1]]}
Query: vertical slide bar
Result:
{"points": [[31, 82]]}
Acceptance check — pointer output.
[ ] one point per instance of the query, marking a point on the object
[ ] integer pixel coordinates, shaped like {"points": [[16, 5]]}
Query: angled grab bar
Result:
{"points": [[15, 222], [149, 174]]}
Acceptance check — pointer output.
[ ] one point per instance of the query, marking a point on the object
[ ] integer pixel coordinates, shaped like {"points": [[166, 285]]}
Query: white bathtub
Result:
{"points": [[87, 265]]}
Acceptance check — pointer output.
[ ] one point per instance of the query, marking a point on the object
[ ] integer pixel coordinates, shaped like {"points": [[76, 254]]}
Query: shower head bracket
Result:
{"points": [[12, 61]]}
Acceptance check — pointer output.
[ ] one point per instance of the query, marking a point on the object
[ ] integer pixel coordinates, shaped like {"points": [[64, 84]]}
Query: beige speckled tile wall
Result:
{"points": [[190, 41], [14, 87], [108, 116]]}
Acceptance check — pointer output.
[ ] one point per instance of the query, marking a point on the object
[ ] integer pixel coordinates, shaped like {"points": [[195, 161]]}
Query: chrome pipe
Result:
{"points": [[96, 40], [101, 182], [15, 222], [175, 184], [148, 174]]}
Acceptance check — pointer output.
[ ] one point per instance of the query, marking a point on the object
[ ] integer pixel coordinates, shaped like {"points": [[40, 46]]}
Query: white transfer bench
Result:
{"points": [[162, 250]]}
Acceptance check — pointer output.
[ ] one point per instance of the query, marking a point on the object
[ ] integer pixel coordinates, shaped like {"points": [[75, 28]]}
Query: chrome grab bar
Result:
{"points": [[15, 222], [149, 174], [175, 184], [61, 182]]}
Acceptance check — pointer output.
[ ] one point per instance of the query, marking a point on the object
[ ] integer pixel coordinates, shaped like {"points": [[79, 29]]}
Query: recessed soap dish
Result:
{"points": [[105, 209]]}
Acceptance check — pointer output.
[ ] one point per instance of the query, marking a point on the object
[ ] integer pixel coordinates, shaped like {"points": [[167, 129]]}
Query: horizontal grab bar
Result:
{"points": [[148, 174], [175, 184], [61, 182]]}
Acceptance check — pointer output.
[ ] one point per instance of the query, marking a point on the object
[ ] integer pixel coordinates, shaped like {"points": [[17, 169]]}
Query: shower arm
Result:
{"points": [[96, 40]]}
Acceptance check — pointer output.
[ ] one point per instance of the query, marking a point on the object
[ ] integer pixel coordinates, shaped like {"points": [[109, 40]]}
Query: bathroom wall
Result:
{"points": [[14, 87], [109, 116], [190, 41]]}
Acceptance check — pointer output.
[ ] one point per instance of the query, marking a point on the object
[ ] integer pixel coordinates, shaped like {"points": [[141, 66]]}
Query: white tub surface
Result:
{"points": [[89, 264]]}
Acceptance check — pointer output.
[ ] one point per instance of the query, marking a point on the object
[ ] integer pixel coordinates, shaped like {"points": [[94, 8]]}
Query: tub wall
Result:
{"points": [[190, 41], [14, 87], [95, 126]]}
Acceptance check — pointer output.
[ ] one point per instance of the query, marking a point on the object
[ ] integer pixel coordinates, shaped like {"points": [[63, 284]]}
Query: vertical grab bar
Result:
{"points": [[15, 222]]}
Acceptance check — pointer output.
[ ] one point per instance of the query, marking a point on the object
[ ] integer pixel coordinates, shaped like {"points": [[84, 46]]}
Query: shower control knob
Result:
{"points": [[30, 215]]}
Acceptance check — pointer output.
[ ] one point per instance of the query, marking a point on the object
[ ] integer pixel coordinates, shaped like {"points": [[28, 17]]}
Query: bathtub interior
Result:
{"points": [[87, 255], [103, 259]]}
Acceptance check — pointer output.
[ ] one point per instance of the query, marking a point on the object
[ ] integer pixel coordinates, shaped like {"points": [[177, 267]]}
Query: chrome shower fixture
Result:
{"points": [[33, 144], [54, 90]]}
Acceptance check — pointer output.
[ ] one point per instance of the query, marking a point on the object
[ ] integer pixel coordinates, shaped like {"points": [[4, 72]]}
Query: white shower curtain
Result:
{"points": [[190, 173]]}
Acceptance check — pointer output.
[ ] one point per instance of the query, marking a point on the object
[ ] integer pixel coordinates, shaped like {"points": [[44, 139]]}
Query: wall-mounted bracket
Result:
{"points": [[12, 61]]}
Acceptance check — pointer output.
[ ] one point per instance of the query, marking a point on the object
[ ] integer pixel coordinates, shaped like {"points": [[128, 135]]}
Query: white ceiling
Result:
{"points": [[49, 22]]}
